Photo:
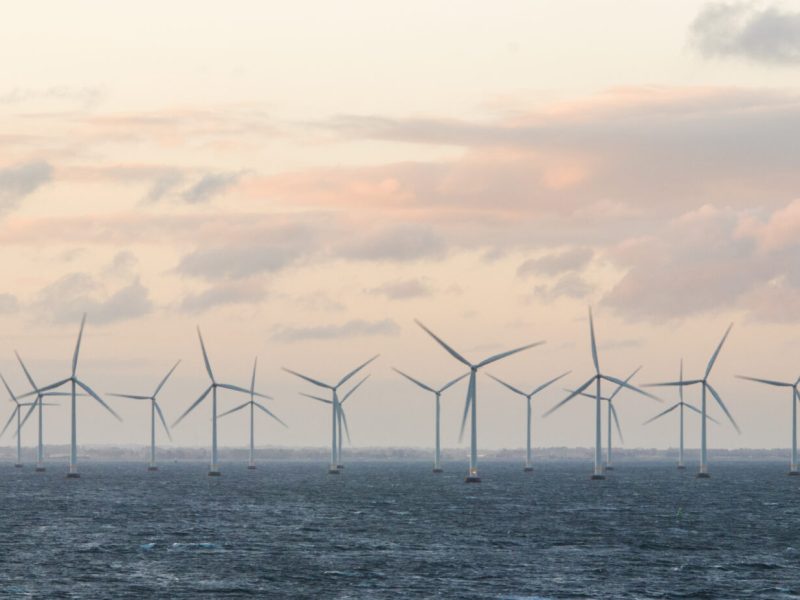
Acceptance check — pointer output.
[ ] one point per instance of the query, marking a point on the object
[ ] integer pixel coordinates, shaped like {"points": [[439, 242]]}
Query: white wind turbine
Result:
{"points": [[212, 389], [612, 416], [793, 469], [471, 403], [681, 405], [342, 419], [253, 405], [75, 382], [17, 412], [334, 468], [437, 464], [39, 403], [528, 466], [597, 379], [154, 408], [706, 387]]}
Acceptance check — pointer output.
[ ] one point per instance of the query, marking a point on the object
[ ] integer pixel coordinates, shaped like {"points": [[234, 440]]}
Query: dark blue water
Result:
{"points": [[289, 530]]}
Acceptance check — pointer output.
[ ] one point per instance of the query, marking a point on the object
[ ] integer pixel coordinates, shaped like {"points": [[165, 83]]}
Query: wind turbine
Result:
{"points": [[75, 382], [253, 405], [703, 473], [612, 415], [342, 419], [528, 466], [212, 389], [472, 397], [681, 404], [437, 464], [154, 408], [597, 378], [334, 466], [795, 399], [17, 412], [38, 403]]}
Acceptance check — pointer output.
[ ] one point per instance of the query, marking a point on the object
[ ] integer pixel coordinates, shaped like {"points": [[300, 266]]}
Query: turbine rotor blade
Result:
{"points": [[25, 370], [30, 410], [163, 420], [78, 346], [314, 381], [253, 379], [508, 385], [616, 422], [343, 419], [236, 388], [205, 355], [723, 407], [571, 396], [716, 352], [662, 413], [674, 383], [453, 382], [497, 357], [46, 388], [233, 410], [700, 412], [470, 392], [8, 389], [412, 380], [344, 379], [549, 383], [129, 396], [452, 352], [595, 360], [325, 400], [257, 405], [194, 405], [767, 381], [353, 389], [92, 393], [630, 387], [627, 379], [163, 381], [10, 419]]}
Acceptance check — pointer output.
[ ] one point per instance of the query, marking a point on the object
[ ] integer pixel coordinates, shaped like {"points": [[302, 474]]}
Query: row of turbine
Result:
{"points": [[339, 426]]}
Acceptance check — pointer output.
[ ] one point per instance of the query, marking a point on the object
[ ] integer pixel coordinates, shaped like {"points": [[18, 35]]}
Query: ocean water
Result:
{"points": [[382, 530]]}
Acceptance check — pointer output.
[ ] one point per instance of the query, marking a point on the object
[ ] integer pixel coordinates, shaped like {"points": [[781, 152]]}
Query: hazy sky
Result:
{"points": [[304, 179]]}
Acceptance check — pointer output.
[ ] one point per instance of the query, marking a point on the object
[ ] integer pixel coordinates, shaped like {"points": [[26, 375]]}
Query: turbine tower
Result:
{"points": [[528, 466], [17, 412], [471, 403], [75, 383], [342, 419], [253, 405], [437, 464], [154, 408], [334, 468], [212, 389], [795, 399], [39, 403], [681, 405], [597, 379], [706, 387]]}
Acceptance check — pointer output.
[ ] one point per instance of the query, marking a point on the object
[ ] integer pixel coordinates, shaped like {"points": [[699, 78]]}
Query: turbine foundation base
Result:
{"points": [[40, 469], [18, 466], [528, 470], [214, 474], [152, 468], [609, 468], [340, 467], [793, 473], [681, 468], [251, 467], [703, 475], [438, 470], [472, 479], [73, 475], [597, 477], [333, 471]]}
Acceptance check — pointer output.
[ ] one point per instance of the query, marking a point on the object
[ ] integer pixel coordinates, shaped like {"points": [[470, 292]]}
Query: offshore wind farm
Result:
{"points": [[378, 300]]}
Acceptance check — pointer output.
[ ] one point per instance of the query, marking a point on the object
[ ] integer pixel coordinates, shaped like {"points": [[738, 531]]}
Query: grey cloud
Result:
{"points": [[19, 181], [210, 185], [406, 242], [402, 290], [68, 298], [8, 303], [553, 264], [122, 265], [163, 184], [223, 294], [84, 96], [746, 30], [570, 285], [354, 328]]}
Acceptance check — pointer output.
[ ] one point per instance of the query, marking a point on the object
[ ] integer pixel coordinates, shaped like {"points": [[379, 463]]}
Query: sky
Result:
{"points": [[303, 180]]}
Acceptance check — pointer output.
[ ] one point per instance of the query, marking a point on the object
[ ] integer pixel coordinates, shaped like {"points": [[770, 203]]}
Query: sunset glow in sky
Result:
{"points": [[304, 179]]}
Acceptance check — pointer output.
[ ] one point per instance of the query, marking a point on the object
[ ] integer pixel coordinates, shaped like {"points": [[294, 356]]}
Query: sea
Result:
{"points": [[397, 530]]}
